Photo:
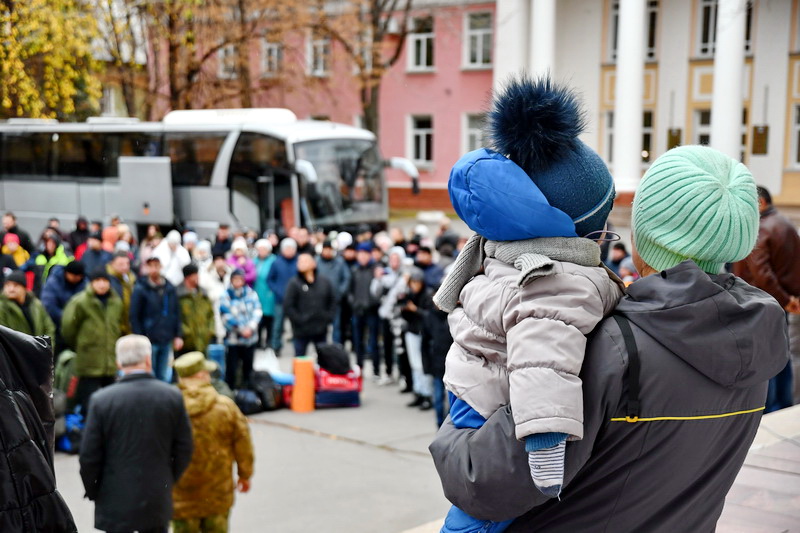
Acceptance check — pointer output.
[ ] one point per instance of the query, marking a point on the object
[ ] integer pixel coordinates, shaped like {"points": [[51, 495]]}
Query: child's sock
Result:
{"points": [[546, 461]]}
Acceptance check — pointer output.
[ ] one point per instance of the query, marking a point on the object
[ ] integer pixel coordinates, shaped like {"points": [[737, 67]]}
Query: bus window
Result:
{"points": [[134, 143], [245, 202], [257, 155], [25, 156], [193, 156], [78, 155]]}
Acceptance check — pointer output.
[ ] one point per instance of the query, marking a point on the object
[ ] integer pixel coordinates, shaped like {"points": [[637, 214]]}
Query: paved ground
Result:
{"points": [[350, 470]]}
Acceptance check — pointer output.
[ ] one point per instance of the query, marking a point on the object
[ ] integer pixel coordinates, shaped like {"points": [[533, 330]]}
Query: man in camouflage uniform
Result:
{"points": [[197, 312], [204, 494]]}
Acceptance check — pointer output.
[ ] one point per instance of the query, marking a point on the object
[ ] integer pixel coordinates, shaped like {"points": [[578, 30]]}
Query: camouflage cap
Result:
{"points": [[191, 363]]}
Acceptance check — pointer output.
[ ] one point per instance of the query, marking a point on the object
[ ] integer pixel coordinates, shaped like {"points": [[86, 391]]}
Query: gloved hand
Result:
{"points": [[546, 461]]}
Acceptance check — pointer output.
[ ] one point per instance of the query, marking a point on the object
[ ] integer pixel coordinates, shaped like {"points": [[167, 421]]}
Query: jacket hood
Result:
{"points": [[198, 399], [727, 330]]}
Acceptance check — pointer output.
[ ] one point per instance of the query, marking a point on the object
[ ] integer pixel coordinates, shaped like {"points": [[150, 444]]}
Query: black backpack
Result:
{"points": [[248, 401], [268, 391], [333, 358]]}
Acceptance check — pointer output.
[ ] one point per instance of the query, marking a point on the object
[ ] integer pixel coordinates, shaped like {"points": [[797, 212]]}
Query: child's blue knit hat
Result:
{"points": [[536, 124]]}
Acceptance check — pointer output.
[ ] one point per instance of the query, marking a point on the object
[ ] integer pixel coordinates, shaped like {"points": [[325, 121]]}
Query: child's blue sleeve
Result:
{"points": [[457, 521], [462, 415]]}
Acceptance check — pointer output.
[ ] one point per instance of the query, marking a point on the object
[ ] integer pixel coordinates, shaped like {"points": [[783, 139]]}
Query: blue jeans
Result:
{"points": [[301, 343], [277, 329], [370, 322], [779, 394], [161, 354], [337, 324]]}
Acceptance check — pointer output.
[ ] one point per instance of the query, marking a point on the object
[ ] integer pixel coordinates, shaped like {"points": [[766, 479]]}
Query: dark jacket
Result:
{"points": [[279, 275], [707, 347], [7, 266], [436, 341], [361, 296], [24, 239], [91, 328], [155, 311], [136, 444], [772, 266], [57, 292], [423, 302], [337, 272], [433, 274], [31, 502], [30, 318], [309, 306], [94, 259]]}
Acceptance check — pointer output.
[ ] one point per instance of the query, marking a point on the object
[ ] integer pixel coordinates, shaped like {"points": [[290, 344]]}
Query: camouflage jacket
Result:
{"points": [[221, 436]]}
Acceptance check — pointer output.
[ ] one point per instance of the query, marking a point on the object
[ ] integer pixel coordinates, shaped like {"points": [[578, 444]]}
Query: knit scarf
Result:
{"points": [[534, 258]]}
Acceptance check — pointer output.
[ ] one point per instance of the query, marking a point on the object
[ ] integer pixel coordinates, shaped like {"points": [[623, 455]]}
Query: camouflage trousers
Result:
{"points": [[210, 524]]}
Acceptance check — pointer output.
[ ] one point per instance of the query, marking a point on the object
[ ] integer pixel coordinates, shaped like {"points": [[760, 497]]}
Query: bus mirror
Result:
{"points": [[401, 163], [306, 169]]}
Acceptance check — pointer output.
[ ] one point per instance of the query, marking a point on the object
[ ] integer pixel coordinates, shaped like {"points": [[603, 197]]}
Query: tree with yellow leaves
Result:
{"points": [[46, 64]]}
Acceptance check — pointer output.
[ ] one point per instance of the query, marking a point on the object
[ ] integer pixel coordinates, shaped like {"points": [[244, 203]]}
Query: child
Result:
{"points": [[527, 288]]}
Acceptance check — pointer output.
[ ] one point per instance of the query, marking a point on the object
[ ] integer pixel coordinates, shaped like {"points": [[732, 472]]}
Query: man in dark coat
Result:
{"points": [[309, 304], [10, 226], [95, 257], [364, 301], [136, 444], [26, 424]]}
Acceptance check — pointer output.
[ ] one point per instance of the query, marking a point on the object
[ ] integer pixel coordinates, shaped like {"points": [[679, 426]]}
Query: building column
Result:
{"points": [[543, 38], [511, 39], [726, 104], [629, 95]]}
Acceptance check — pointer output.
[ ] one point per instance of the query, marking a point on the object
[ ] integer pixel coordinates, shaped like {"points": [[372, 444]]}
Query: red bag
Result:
{"points": [[352, 381]]}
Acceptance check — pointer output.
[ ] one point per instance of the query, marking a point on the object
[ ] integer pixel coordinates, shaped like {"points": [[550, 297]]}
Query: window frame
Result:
{"points": [[650, 33], [794, 162], [647, 131], [708, 50], [423, 38], [319, 56], [469, 131], [271, 58], [415, 134], [481, 35], [225, 54]]}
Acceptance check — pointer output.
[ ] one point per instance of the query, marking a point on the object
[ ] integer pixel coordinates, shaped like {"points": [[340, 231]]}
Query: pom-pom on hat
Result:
{"points": [[536, 123], [695, 203]]}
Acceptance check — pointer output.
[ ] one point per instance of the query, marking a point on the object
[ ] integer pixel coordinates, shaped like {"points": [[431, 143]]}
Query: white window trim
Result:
{"points": [[608, 137], [465, 53], [266, 47], [311, 43], [794, 153], [412, 38], [421, 164], [465, 147], [222, 56], [613, 15], [748, 45]]}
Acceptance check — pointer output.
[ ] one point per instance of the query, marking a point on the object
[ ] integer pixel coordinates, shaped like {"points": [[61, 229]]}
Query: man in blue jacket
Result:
{"points": [[63, 283], [283, 269], [333, 268], [155, 313]]}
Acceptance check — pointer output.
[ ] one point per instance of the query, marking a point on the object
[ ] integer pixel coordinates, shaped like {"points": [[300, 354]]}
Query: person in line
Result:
{"points": [[90, 325], [364, 302], [414, 303], [155, 313], [309, 304], [673, 383], [123, 281], [203, 496], [197, 312], [223, 241], [136, 444], [773, 268], [390, 281], [53, 254], [62, 284], [78, 237], [241, 313], [283, 269], [424, 261], [436, 342], [173, 257], [618, 254], [12, 248], [10, 227], [94, 256], [263, 263], [240, 259], [20, 310], [333, 268]]}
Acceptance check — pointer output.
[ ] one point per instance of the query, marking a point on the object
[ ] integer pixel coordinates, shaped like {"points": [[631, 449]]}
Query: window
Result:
{"points": [[795, 162], [647, 136], [422, 139], [226, 57], [707, 31], [26, 155], [474, 137], [650, 35], [702, 129], [479, 40], [271, 58], [421, 44], [319, 56], [78, 155], [193, 156]]}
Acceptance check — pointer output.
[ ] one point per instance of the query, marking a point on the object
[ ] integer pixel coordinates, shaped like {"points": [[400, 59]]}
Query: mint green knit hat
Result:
{"points": [[695, 203]]}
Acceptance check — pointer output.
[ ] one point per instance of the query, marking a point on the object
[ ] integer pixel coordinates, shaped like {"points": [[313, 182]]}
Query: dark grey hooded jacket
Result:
{"points": [[707, 346]]}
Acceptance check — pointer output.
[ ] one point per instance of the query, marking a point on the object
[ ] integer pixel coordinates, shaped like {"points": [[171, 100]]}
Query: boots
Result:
{"points": [[426, 403], [418, 400]]}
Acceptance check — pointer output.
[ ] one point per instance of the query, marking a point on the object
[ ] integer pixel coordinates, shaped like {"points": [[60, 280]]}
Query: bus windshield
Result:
{"points": [[349, 187]]}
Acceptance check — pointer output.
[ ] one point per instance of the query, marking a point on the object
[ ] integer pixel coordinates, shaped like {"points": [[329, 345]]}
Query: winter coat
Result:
{"points": [[413, 319], [57, 292], [172, 262], [25, 241], [155, 311], [433, 274], [94, 259], [123, 286], [136, 444], [214, 285], [20, 255], [92, 330], [44, 263], [363, 299], [197, 318], [12, 316], [337, 272], [436, 341], [279, 275], [390, 287], [239, 310], [7, 266], [707, 346], [772, 265], [246, 265], [309, 306], [221, 436], [261, 287], [525, 345], [31, 502]]}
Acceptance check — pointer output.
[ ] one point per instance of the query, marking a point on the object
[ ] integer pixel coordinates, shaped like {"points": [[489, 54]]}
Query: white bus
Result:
{"points": [[256, 168]]}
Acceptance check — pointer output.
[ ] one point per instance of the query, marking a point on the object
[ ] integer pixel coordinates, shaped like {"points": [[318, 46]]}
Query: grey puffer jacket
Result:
{"points": [[707, 347], [525, 345]]}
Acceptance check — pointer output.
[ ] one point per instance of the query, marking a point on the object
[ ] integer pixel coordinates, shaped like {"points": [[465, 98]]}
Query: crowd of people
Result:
{"points": [[370, 293]]}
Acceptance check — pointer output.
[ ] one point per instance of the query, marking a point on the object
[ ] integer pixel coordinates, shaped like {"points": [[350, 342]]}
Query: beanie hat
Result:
{"points": [[18, 277], [173, 237], [536, 123], [76, 268], [99, 273], [365, 246], [10, 237], [695, 203]]}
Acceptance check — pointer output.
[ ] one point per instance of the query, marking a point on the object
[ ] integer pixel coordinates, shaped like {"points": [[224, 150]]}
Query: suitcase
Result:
{"points": [[333, 390]]}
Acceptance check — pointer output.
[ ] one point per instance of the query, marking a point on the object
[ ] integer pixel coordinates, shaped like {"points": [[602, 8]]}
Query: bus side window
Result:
{"points": [[78, 155], [25, 156], [193, 156]]}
